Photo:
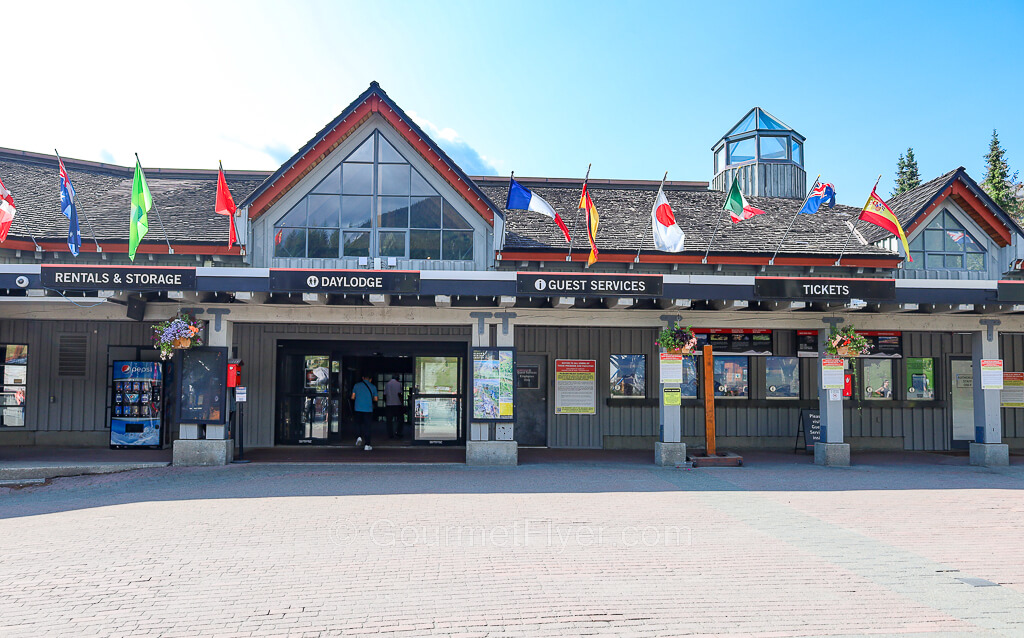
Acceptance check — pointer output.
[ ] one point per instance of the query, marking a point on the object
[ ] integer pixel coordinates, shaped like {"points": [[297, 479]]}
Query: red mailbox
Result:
{"points": [[234, 374], [847, 384]]}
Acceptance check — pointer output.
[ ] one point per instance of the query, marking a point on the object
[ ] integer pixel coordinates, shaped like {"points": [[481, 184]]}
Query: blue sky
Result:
{"points": [[541, 88]]}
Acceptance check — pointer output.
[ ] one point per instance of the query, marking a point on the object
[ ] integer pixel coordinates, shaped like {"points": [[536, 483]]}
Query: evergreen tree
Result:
{"points": [[999, 183], [907, 175]]}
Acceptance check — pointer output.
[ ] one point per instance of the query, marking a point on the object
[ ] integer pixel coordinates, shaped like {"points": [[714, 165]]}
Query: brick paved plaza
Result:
{"points": [[778, 548]]}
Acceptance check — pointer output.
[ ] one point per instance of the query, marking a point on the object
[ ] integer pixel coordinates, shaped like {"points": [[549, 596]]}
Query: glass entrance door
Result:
{"points": [[307, 399], [437, 400], [962, 401]]}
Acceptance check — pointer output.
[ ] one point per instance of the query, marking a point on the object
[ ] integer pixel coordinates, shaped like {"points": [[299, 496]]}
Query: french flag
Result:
{"points": [[522, 198]]}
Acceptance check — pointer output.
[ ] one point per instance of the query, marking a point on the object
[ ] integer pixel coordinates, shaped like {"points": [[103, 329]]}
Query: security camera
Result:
{"points": [[22, 281]]}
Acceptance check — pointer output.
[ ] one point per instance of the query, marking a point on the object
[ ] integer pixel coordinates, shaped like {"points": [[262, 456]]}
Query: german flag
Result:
{"points": [[587, 206], [877, 212]]}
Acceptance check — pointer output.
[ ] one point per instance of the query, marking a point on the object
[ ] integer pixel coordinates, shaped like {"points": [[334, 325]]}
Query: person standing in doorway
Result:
{"points": [[364, 394], [393, 403]]}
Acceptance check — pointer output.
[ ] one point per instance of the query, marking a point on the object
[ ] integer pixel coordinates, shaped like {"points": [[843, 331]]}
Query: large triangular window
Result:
{"points": [[946, 244], [374, 204]]}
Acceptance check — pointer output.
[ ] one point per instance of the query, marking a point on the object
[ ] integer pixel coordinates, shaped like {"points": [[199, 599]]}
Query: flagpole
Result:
{"points": [[504, 219], [636, 260], [771, 262], [576, 219], [170, 251], [853, 227], [74, 201], [717, 226]]}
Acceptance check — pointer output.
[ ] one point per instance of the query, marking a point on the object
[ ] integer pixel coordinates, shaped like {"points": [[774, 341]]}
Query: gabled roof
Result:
{"points": [[913, 207], [372, 100], [625, 214], [184, 199]]}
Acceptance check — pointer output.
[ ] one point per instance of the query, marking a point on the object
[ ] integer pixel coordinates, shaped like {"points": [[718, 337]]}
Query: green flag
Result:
{"points": [[142, 201]]}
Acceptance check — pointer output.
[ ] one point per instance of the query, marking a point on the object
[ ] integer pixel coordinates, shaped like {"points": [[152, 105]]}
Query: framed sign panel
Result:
{"points": [[202, 385], [494, 384]]}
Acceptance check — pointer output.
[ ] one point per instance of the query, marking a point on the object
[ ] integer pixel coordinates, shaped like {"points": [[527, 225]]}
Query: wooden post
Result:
{"points": [[709, 401]]}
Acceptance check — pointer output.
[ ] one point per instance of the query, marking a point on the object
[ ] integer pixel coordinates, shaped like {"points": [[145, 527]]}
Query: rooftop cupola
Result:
{"points": [[764, 154]]}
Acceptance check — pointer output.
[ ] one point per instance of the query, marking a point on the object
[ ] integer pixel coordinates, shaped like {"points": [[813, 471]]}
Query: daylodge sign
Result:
{"points": [[823, 289], [141, 278], [345, 281], [574, 285]]}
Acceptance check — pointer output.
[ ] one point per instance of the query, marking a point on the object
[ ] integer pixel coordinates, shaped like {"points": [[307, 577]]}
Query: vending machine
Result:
{"points": [[136, 413]]}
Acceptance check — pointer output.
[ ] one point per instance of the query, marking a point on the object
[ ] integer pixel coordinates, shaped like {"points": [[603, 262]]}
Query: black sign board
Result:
{"points": [[141, 278], [585, 285], [202, 385], [345, 281], [881, 344], [748, 341], [823, 289], [528, 377], [810, 423], [1010, 291]]}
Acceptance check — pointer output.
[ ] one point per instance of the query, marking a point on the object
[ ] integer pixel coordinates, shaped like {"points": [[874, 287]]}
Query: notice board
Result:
{"points": [[575, 386]]}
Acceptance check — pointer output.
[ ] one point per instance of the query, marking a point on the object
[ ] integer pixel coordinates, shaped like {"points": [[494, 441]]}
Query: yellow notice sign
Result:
{"points": [[672, 396]]}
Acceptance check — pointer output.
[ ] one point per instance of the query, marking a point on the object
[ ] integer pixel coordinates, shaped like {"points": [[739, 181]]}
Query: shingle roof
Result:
{"points": [[184, 198], [626, 222]]}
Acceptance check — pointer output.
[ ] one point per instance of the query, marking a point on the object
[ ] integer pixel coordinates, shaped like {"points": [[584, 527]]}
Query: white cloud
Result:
{"points": [[468, 158]]}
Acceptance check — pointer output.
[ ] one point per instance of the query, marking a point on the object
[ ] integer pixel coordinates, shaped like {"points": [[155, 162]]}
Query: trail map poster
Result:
{"points": [[575, 386], [493, 382]]}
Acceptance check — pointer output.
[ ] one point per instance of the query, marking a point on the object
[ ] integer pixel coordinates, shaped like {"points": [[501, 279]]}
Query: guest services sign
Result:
{"points": [[824, 289], [345, 281], [62, 277], [585, 285]]}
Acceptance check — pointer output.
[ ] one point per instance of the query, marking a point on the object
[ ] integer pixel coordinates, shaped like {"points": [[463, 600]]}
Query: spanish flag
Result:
{"points": [[877, 212], [587, 205]]}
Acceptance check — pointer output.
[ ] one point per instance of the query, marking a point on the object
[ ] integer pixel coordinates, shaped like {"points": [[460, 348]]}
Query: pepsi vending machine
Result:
{"points": [[136, 412]]}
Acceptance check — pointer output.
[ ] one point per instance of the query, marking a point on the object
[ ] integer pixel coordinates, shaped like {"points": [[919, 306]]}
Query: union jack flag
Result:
{"points": [[67, 206], [821, 193], [956, 235]]}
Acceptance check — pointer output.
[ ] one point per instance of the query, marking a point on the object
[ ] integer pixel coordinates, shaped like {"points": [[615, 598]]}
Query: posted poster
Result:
{"points": [[493, 377], [832, 374], [991, 374], [672, 396], [1012, 395], [575, 386], [671, 368]]}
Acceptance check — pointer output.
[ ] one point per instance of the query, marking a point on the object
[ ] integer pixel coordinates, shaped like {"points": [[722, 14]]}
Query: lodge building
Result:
{"points": [[371, 252]]}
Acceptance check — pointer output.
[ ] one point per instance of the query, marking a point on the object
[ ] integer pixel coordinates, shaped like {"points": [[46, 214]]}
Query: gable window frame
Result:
{"points": [[352, 235], [931, 248]]}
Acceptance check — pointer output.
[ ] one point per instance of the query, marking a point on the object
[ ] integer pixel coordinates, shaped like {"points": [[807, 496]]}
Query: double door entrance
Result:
{"points": [[315, 381]]}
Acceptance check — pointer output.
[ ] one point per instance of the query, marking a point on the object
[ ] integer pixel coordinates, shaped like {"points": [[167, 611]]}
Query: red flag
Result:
{"points": [[226, 206]]}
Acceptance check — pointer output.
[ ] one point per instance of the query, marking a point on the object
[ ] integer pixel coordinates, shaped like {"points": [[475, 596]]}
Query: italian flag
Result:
{"points": [[738, 206]]}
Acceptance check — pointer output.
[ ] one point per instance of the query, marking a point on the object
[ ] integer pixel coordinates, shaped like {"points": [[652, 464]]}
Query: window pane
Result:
{"points": [[688, 388], [798, 152], [741, 151], [323, 243], [720, 159], [627, 376], [917, 243], [392, 243], [920, 379], [425, 244], [933, 240], [765, 121], [420, 185], [355, 211], [452, 218], [918, 262], [324, 211], [773, 148], [782, 377], [394, 179], [746, 125], [458, 244], [731, 376], [955, 240], [425, 212], [954, 261], [393, 212], [388, 154], [331, 184], [364, 153], [290, 242], [972, 245], [295, 217], [975, 261], [357, 179], [357, 244], [877, 379]]}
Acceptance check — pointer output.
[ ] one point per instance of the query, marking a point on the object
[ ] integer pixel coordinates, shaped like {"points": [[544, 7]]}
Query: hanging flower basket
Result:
{"points": [[178, 333], [846, 342], [677, 340]]}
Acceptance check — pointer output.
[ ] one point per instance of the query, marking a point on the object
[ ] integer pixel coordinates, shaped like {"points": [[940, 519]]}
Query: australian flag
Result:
{"points": [[821, 193], [67, 206]]}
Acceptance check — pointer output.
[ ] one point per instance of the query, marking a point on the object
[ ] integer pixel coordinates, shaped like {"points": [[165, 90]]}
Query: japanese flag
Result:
{"points": [[668, 236]]}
